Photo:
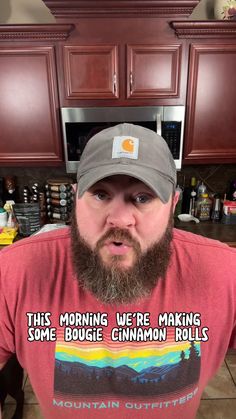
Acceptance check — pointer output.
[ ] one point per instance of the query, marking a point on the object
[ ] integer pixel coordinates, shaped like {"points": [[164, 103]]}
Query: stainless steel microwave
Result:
{"points": [[80, 124]]}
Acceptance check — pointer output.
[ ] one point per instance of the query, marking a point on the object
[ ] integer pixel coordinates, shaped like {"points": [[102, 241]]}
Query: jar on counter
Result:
{"points": [[203, 207], [3, 217]]}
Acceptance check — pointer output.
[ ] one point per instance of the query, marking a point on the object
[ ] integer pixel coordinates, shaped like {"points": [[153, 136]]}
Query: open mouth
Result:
{"points": [[116, 247]]}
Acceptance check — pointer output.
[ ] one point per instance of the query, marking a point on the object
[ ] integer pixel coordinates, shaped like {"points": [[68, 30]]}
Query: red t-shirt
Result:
{"points": [[87, 359]]}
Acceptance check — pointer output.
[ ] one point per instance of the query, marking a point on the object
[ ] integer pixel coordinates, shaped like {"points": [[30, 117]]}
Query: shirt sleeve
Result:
{"points": [[7, 340], [232, 343]]}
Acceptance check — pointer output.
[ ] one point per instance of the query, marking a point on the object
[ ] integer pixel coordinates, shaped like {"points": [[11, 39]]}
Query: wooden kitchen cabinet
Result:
{"points": [[210, 131], [91, 71], [29, 105], [210, 107], [151, 71]]}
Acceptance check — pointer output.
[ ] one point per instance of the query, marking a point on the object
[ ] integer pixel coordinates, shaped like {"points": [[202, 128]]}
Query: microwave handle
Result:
{"points": [[158, 116]]}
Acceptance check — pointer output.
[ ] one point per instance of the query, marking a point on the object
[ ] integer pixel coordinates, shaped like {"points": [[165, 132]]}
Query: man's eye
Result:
{"points": [[100, 195], [142, 199]]}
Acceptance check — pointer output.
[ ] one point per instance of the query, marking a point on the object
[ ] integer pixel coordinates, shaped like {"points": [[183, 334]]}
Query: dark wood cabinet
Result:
{"points": [[91, 71], [210, 126], [153, 71], [117, 55], [121, 53], [28, 106], [210, 105]]}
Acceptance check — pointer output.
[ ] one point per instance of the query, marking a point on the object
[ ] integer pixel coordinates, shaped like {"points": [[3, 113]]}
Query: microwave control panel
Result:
{"points": [[171, 132]]}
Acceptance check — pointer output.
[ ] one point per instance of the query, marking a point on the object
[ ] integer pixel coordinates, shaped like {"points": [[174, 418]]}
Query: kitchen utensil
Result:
{"points": [[187, 218]]}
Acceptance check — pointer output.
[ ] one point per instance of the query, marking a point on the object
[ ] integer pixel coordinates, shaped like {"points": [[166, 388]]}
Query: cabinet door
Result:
{"points": [[91, 72], [29, 130], [153, 71], [211, 112]]}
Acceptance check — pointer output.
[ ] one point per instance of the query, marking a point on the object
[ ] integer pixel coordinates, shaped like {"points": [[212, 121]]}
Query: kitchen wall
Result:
{"points": [[24, 11], [203, 11]]}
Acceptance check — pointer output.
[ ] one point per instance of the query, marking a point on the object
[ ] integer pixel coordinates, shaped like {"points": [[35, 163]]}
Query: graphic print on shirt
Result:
{"points": [[130, 369]]}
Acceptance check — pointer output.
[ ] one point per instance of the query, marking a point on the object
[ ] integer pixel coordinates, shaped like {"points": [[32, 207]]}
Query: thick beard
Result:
{"points": [[113, 284]]}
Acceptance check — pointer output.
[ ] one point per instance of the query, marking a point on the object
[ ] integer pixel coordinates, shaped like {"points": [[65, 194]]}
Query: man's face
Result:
{"points": [[121, 223]]}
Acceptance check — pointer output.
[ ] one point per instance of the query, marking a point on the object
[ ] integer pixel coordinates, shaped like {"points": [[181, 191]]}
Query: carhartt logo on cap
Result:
{"points": [[124, 146]]}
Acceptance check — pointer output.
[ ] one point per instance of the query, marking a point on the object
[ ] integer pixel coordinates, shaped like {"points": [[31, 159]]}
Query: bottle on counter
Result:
{"points": [[203, 207], [26, 194], [10, 190], [187, 195], [11, 221], [216, 209], [3, 217], [201, 189], [1, 191], [192, 207], [232, 192]]}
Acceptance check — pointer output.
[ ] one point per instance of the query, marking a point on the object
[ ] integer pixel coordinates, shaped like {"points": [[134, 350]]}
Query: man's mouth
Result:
{"points": [[118, 244], [115, 247]]}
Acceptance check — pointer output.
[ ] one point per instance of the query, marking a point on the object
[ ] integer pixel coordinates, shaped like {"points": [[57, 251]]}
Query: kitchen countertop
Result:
{"points": [[224, 232]]}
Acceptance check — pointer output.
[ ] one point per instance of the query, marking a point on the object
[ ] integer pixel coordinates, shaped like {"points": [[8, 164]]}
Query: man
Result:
{"points": [[123, 315]]}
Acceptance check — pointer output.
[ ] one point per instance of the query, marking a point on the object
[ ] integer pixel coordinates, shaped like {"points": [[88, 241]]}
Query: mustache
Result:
{"points": [[118, 235]]}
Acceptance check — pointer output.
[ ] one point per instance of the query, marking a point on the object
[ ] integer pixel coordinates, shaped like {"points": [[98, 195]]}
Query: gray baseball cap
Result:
{"points": [[132, 150]]}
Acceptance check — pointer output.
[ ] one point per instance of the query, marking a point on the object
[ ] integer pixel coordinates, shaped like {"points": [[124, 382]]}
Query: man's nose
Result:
{"points": [[121, 214]]}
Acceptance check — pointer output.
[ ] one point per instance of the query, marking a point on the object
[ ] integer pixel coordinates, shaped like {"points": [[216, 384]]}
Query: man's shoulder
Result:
{"points": [[196, 242], [58, 238], [204, 257]]}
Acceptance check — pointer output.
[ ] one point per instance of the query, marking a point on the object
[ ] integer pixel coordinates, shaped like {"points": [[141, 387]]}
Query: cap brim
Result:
{"points": [[160, 184]]}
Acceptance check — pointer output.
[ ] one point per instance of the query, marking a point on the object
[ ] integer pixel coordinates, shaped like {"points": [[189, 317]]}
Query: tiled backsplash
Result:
{"points": [[30, 175], [216, 177]]}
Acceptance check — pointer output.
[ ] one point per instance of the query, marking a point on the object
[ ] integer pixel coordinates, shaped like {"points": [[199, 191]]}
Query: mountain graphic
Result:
{"points": [[80, 368], [78, 378], [157, 373], [121, 373]]}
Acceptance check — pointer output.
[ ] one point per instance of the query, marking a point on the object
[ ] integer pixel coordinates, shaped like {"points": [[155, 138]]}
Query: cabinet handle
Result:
{"points": [[131, 82], [114, 83]]}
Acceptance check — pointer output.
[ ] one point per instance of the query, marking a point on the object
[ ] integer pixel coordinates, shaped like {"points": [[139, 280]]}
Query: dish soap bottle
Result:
{"points": [[203, 207], [201, 189]]}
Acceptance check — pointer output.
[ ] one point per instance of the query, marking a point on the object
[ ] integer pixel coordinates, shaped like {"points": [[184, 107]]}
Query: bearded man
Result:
{"points": [[148, 311]]}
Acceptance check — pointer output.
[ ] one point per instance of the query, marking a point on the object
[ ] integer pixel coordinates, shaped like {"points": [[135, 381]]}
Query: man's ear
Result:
{"points": [[75, 187], [175, 199]]}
